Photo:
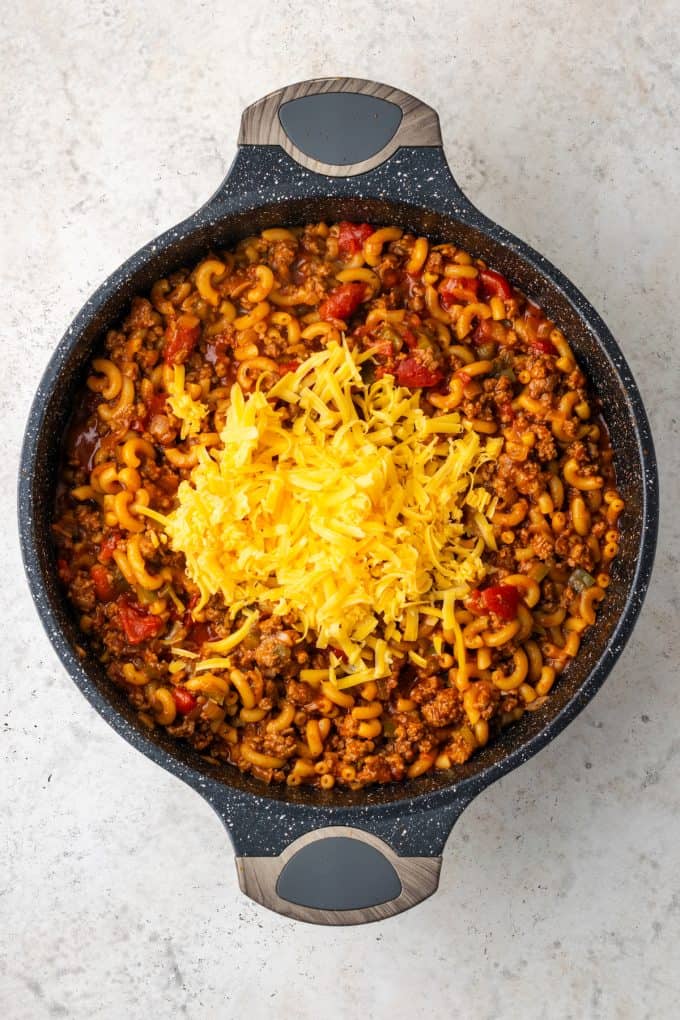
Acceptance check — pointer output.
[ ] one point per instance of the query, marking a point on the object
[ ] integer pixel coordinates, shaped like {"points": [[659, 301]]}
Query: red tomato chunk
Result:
{"points": [[413, 373], [343, 301], [458, 291], [544, 345], [181, 337], [488, 331], [137, 624], [495, 285], [103, 587], [157, 404], [184, 700], [410, 339], [351, 237], [501, 599], [107, 547]]}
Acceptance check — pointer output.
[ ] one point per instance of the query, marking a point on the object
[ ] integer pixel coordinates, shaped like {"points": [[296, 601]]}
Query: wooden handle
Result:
{"points": [[334, 123], [338, 875]]}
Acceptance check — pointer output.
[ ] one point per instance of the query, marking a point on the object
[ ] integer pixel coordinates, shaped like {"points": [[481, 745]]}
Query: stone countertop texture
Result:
{"points": [[560, 892]]}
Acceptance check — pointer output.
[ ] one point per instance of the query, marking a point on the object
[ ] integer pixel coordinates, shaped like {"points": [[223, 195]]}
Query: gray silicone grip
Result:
{"points": [[340, 126], [338, 875]]}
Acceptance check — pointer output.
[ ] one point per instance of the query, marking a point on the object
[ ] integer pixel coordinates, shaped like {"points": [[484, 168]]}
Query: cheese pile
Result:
{"points": [[341, 502]]}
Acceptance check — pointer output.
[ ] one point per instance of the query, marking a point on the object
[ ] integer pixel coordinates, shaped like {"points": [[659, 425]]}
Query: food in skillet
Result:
{"points": [[336, 506]]}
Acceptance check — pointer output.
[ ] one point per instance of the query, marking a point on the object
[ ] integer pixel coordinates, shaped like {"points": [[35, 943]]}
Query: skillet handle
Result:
{"points": [[326, 863], [338, 875], [340, 127]]}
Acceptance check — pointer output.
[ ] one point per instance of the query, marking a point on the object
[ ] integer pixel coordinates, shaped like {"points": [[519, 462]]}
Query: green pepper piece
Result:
{"points": [[581, 579]]}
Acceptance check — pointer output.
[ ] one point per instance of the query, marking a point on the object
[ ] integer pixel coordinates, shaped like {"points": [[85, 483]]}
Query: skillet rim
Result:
{"points": [[460, 790]]}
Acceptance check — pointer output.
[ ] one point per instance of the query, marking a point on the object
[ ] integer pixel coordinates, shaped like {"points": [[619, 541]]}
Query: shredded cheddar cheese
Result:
{"points": [[340, 502], [189, 411]]}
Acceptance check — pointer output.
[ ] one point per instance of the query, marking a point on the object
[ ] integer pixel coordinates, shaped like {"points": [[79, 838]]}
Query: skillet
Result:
{"points": [[333, 149]]}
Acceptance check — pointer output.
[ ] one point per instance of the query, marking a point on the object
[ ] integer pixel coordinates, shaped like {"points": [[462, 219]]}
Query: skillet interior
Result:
{"points": [[606, 371]]}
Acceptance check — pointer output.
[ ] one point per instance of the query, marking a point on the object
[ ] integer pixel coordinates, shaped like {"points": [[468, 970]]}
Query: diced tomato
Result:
{"points": [[64, 570], [494, 285], [184, 700], [108, 545], [339, 654], [489, 331], [343, 301], [414, 373], [501, 599], [157, 403], [136, 622], [351, 237], [103, 587], [181, 337], [543, 345], [537, 329], [410, 338], [288, 366], [458, 290], [199, 633]]}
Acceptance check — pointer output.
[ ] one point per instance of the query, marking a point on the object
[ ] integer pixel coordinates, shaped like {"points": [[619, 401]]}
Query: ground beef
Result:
{"points": [[82, 593], [483, 697], [281, 745], [409, 730], [142, 314], [542, 546], [374, 770], [424, 689], [445, 708], [458, 749], [299, 693], [545, 443], [273, 656]]}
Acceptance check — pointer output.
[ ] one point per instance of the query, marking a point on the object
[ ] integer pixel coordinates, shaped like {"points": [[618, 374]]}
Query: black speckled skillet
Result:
{"points": [[334, 149]]}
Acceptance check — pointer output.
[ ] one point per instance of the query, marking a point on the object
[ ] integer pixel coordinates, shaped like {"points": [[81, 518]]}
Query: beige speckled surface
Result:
{"points": [[560, 895]]}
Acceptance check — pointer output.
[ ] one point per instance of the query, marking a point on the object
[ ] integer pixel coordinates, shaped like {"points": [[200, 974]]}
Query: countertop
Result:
{"points": [[560, 891]]}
